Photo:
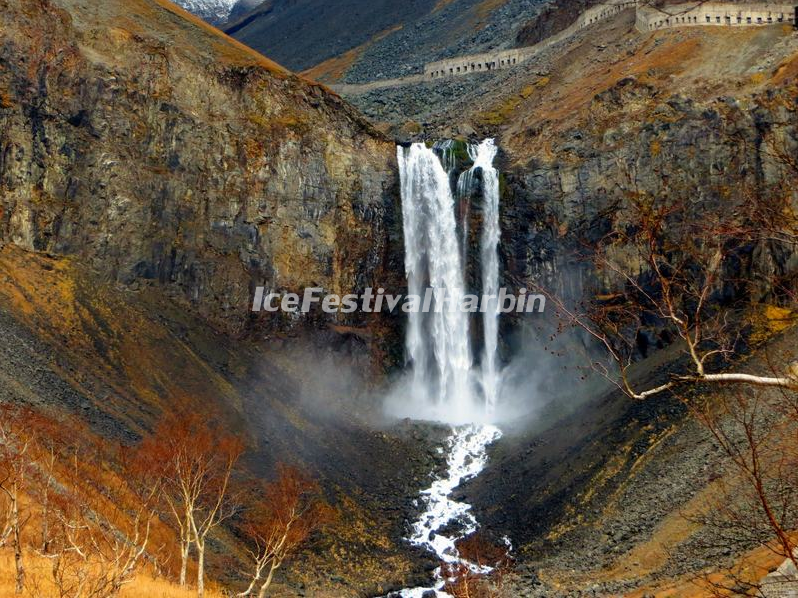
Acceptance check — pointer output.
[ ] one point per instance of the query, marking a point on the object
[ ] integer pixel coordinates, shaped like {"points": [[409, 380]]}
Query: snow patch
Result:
{"points": [[215, 12]]}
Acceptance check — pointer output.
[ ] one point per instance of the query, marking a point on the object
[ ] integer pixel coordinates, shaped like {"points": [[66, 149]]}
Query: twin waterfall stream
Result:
{"points": [[446, 385]]}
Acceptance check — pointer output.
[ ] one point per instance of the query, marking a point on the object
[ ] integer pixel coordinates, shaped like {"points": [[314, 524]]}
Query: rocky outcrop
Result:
{"points": [[550, 21], [156, 150], [720, 154]]}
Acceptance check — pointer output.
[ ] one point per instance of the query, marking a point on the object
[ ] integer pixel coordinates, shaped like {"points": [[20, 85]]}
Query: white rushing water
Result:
{"points": [[466, 458], [445, 385], [489, 249], [437, 343]]}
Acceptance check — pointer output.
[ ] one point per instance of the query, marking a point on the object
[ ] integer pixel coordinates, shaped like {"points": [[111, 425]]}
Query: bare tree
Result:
{"points": [[672, 269], [100, 529], [289, 510], [196, 463], [756, 501], [19, 428], [48, 463], [481, 572], [670, 274]]}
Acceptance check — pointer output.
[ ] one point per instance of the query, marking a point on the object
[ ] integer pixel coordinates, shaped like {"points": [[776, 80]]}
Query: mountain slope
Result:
{"points": [[303, 33], [155, 148], [392, 38], [152, 172]]}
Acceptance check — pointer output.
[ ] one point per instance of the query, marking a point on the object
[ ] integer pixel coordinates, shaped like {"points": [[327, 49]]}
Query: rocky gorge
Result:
{"points": [[154, 172]]}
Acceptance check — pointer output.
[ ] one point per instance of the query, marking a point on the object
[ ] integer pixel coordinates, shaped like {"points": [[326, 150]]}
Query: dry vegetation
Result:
{"points": [[150, 370], [702, 63], [333, 69], [144, 584], [81, 518]]}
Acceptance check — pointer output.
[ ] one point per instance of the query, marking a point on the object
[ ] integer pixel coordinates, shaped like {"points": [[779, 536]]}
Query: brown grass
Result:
{"points": [[703, 63], [649, 557], [657, 61], [5, 100], [232, 49], [750, 568], [787, 70], [141, 360], [441, 4], [143, 586]]}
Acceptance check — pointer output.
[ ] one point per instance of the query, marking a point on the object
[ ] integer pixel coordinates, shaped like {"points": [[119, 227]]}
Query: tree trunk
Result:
{"points": [[200, 568], [184, 547], [46, 504], [45, 525], [265, 587], [20, 568]]}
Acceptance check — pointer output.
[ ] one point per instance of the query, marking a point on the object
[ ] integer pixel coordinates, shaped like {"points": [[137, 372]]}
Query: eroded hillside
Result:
{"points": [[152, 147], [153, 172]]}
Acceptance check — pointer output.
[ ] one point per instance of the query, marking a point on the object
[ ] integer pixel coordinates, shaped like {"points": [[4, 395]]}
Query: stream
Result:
{"points": [[446, 380], [467, 455]]}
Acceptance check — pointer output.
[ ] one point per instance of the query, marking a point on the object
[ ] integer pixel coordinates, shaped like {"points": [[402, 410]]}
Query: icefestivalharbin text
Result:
{"points": [[432, 301]]}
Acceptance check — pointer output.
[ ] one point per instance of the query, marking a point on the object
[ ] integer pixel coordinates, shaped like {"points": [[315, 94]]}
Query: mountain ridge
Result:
{"points": [[213, 11], [218, 12]]}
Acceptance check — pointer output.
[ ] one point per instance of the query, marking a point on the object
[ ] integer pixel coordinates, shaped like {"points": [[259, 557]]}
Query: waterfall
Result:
{"points": [[489, 251], [445, 385], [437, 342]]}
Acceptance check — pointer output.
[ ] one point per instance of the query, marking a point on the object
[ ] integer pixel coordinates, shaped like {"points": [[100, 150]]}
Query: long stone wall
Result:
{"points": [[502, 59], [648, 18], [714, 14]]}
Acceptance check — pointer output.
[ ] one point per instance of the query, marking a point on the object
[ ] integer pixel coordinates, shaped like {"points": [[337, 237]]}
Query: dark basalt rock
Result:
{"points": [[247, 177]]}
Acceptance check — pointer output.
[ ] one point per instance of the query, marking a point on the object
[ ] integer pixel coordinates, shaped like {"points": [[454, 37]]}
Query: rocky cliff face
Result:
{"points": [[720, 154], [654, 125], [152, 172], [153, 148]]}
